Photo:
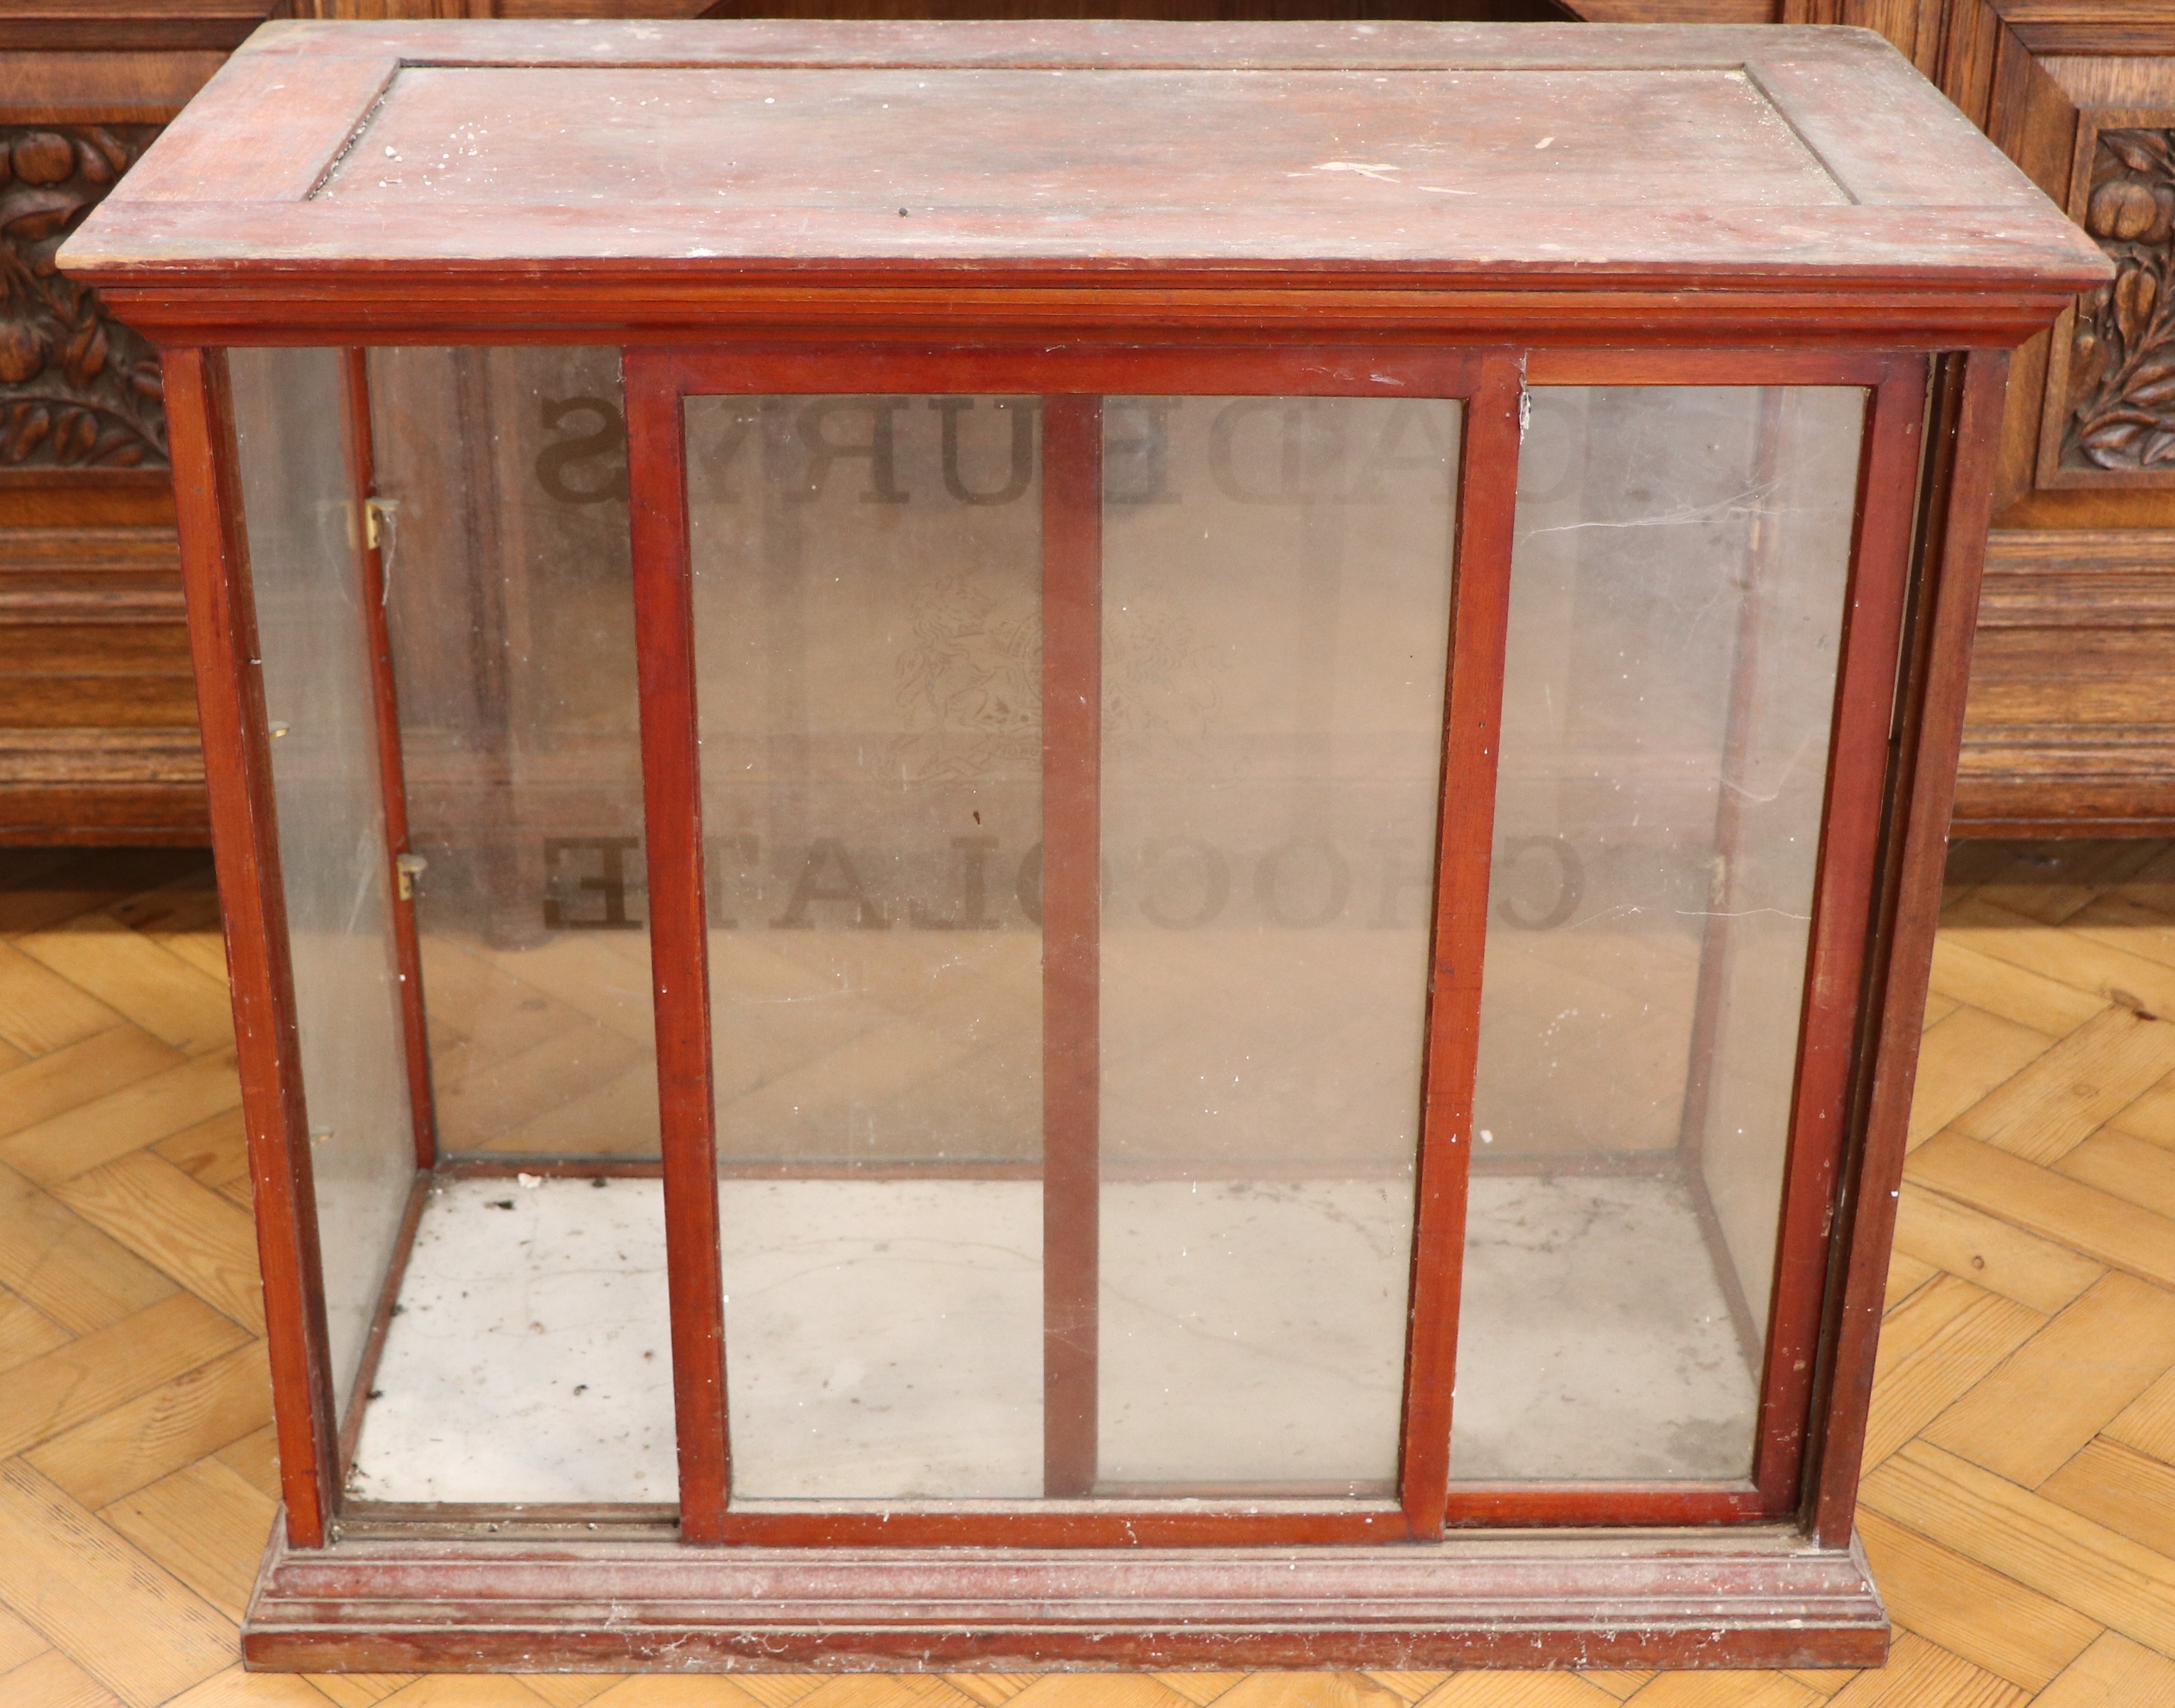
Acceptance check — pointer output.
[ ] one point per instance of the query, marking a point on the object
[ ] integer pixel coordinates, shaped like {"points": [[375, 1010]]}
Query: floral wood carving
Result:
{"points": [[76, 389], [2121, 397]]}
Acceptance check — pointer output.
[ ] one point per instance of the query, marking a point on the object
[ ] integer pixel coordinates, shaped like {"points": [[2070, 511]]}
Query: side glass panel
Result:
{"points": [[1677, 603], [303, 538], [531, 1360], [511, 606], [871, 614]]}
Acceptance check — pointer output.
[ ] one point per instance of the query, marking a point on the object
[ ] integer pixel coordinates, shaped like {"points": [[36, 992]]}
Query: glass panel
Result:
{"points": [[513, 620], [531, 1359], [1677, 602], [1275, 608], [867, 627], [302, 531]]}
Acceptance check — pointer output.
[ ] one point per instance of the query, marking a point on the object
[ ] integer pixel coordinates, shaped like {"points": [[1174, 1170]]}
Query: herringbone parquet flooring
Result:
{"points": [[2019, 1507]]}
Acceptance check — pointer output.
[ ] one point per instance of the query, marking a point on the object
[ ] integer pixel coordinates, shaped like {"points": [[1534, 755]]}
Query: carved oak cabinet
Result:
{"points": [[986, 793]]}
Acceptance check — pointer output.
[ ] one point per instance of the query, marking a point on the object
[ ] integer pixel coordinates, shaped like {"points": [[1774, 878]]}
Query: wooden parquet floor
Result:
{"points": [[2019, 1505]]}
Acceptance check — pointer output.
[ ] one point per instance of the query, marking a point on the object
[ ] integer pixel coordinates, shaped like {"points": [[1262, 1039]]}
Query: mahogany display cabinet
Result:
{"points": [[984, 792]]}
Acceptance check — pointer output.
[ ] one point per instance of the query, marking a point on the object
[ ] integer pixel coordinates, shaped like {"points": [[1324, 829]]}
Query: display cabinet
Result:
{"points": [[984, 793]]}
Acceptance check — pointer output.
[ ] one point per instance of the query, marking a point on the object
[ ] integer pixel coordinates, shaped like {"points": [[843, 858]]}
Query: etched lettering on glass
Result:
{"points": [[588, 463]]}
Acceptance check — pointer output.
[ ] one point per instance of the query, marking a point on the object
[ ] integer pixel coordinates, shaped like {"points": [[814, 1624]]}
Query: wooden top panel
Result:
{"points": [[333, 164], [1045, 148]]}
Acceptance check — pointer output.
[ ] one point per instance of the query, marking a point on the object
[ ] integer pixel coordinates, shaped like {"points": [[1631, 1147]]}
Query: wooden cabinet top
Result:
{"points": [[571, 178]]}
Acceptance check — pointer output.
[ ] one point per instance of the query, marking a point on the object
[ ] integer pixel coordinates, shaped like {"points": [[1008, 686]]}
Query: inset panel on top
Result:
{"points": [[1051, 146]]}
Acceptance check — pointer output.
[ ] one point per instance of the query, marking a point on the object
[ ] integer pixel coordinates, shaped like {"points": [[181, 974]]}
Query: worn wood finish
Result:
{"points": [[1305, 369], [672, 793], [1922, 794], [1065, 1525], [1473, 717], [1071, 935], [1841, 245], [1758, 1597], [1840, 937], [237, 770]]}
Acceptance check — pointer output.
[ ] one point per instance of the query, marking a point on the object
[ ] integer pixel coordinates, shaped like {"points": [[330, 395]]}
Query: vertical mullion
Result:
{"points": [[392, 776], [253, 912], [1071, 867], [1836, 941], [1473, 717], [1966, 444], [672, 812]]}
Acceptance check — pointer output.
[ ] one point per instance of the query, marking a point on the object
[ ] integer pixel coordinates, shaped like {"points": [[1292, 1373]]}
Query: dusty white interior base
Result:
{"points": [[531, 1359], [1595, 1340], [884, 1339]]}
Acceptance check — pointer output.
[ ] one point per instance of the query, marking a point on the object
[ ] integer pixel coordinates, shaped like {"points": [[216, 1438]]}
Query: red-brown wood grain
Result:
{"points": [[672, 797], [1472, 720], [1779, 174], [252, 911], [1840, 935], [1071, 934], [1066, 1524], [1156, 368], [1952, 556], [1756, 1596]]}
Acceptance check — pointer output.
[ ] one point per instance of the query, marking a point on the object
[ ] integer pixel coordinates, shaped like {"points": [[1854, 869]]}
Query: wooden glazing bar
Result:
{"points": [[1069, 1524], [672, 806], [364, 1521], [1841, 919], [1473, 718], [1522, 1505], [1236, 371], [252, 910], [1072, 932], [1964, 443], [1771, 366], [486, 1165], [392, 786]]}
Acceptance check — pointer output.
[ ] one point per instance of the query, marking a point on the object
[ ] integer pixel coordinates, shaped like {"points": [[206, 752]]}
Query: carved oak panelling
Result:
{"points": [[78, 390], [2121, 395]]}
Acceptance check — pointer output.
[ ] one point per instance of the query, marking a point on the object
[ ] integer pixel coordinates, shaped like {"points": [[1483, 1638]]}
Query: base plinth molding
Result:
{"points": [[538, 1603]]}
